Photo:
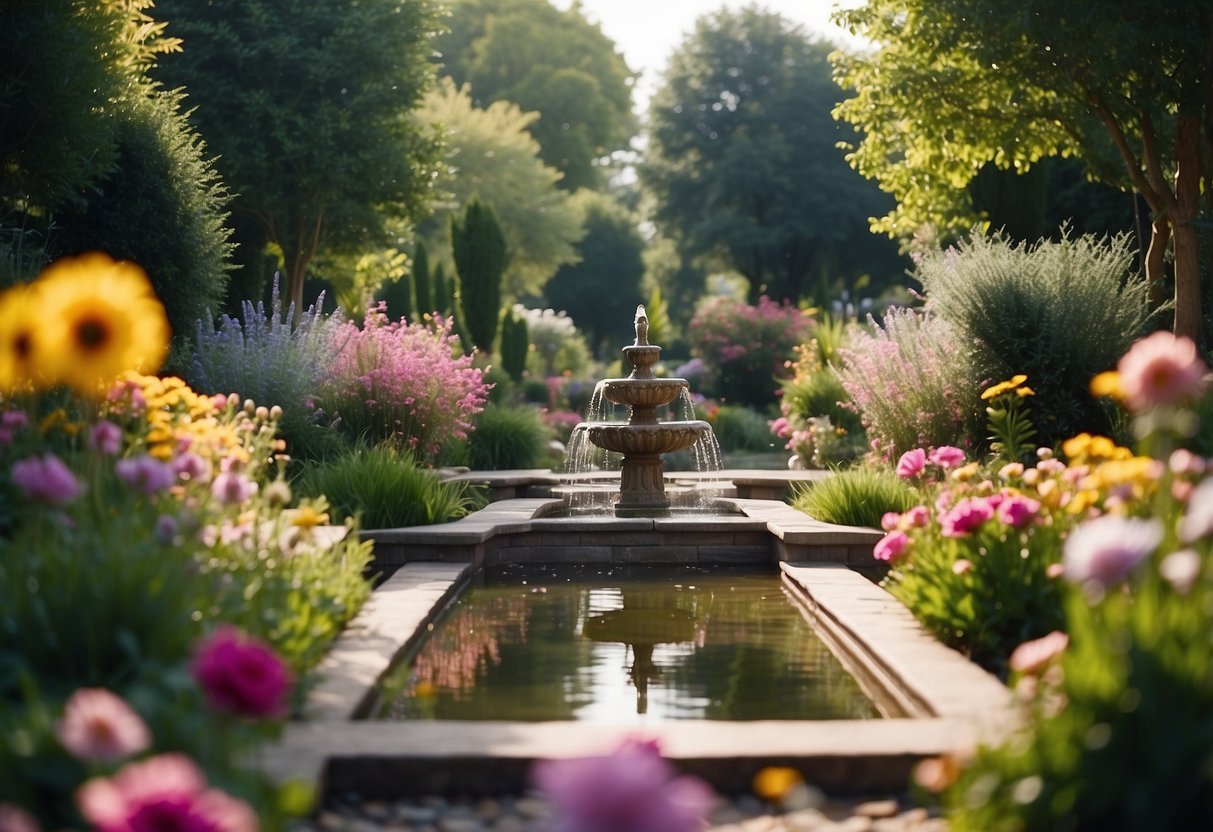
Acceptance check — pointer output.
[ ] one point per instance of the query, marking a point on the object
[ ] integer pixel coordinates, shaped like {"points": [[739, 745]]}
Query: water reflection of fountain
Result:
{"points": [[635, 446], [642, 626]]}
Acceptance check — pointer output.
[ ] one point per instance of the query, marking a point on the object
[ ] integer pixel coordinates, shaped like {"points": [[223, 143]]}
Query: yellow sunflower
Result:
{"points": [[19, 339], [102, 318]]}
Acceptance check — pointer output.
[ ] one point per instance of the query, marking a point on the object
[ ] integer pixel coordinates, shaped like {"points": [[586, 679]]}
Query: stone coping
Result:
{"points": [[955, 705]]}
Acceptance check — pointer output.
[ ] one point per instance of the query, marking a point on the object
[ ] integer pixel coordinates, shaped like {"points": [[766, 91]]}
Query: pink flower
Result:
{"points": [[145, 473], [167, 792], [233, 488], [15, 819], [1161, 369], [911, 463], [890, 520], [892, 546], [633, 789], [966, 517], [917, 517], [780, 427], [1197, 521], [962, 567], [46, 479], [1018, 511], [1032, 657], [1106, 549], [240, 674], [99, 726], [947, 456], [189, 466], [105, 437]]}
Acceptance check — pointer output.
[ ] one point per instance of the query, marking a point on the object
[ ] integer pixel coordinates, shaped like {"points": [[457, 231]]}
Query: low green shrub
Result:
{"points": [[385, 488], [508, 437], [740, 428], [858, 496]]}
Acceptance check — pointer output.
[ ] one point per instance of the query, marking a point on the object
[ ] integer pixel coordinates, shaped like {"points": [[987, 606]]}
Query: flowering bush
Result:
{"points": [[1116, 732], [745, 346], [408, 384], [148, 525], [909, 381], [272, 362], [817, 422]]}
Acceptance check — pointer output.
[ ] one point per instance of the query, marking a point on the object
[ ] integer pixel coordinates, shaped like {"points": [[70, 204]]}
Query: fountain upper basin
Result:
{"points": [[643, 392], [647, 440]]}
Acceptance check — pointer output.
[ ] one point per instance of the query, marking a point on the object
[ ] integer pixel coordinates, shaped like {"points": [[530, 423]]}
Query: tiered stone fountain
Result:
{"points": [[643, 439]]}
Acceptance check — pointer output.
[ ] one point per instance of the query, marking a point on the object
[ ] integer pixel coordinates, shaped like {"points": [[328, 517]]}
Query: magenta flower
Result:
{"points": [[99, 726], [105, 437], [15, 819], [892, 546], [240, 674], [917, 517], [1018, 511], [966, 517], [911, 463], [633, 789], [1106, 549], [1033, 656], [1161, 369], [167, 792], [145, 473], [947, 456], [46, 479], [233, 488]]}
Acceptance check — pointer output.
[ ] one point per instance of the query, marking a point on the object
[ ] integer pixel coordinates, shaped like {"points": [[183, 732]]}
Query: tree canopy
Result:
{"points": [[552, 62], [957, 84], [600, 292], [742, 158], [489, 154], [307, 105]]}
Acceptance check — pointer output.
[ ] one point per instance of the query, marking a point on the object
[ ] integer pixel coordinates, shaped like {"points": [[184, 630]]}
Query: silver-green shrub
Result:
{"points": [[1058, 312]]}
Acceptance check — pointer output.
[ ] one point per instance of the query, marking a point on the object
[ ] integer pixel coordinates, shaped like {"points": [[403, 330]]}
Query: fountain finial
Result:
{"points": [[642, 327]]}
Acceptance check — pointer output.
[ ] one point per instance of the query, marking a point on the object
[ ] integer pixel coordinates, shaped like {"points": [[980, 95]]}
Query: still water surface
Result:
{"points": [[624, 644]]}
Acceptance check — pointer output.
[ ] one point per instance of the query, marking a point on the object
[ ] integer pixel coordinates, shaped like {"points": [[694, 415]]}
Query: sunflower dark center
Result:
{"points": [[92, 334], [23, 345]]}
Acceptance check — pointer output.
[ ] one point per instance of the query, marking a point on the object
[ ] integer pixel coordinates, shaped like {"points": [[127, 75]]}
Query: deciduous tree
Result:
{"points": [[307, 105], [551, 62], [957, 84], [742, 157]]}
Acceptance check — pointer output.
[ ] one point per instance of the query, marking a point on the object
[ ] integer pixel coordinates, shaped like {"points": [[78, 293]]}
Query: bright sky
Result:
{"points": [[647, 31]]}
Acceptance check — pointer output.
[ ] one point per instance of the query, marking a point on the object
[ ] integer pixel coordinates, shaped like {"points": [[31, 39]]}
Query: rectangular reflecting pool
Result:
{"points": [[622, 644]]}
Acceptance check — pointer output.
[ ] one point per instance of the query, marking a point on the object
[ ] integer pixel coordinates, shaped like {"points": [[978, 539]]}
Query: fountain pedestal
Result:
{"points": [[644, 438]]}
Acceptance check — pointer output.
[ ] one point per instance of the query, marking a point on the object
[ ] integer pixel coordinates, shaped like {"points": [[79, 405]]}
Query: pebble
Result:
{"points": [[528, 813]]}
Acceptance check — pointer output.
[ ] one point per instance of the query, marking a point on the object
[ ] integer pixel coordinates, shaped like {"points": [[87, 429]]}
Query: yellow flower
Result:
{"points": [[996, 390], [1107, 385], [100, 318], [774, 782], [1024, 392], [307, 517], [1076, 446], [19, 339]]}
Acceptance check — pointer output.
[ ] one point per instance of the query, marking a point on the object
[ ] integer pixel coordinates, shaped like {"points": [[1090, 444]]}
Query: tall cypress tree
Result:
{"points": [[423, 294], [478, 244]]}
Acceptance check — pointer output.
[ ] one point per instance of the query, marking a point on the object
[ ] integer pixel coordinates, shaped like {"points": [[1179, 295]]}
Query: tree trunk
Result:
{"points": [[1156, 260], [1187, 241]]}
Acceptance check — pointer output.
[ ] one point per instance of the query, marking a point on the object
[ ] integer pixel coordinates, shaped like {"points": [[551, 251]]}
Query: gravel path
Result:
{"points": [[817, 813]]}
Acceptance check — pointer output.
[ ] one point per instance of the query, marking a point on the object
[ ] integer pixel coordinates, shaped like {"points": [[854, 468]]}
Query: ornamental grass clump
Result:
{"points": [[1116, 732], [408, 384], [1058, 312], [858, 496], [909, 379], [744, 347]]}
